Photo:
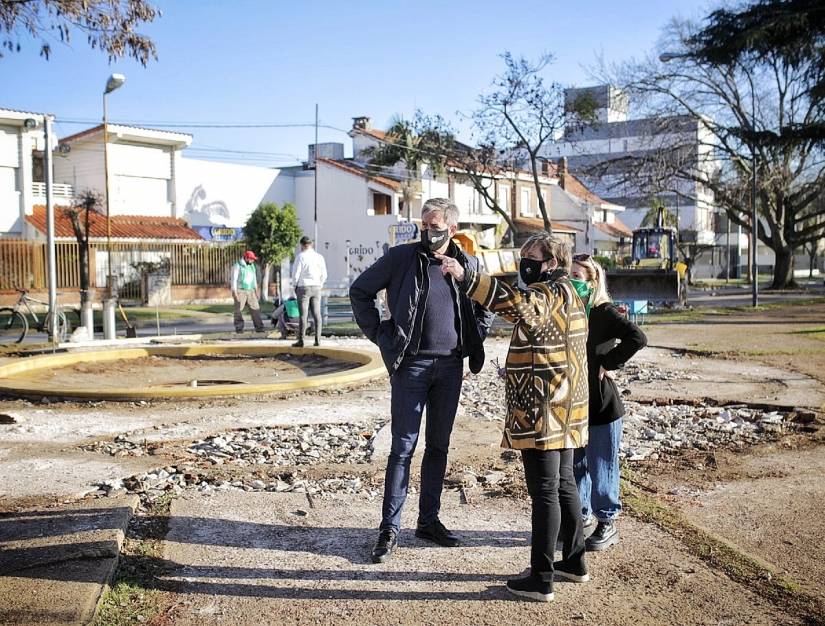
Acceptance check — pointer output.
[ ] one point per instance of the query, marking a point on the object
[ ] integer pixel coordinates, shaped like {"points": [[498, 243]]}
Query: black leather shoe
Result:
{"points": [[298, 344], [605, 535], [437, 533], [387, 542], [531, 587]]}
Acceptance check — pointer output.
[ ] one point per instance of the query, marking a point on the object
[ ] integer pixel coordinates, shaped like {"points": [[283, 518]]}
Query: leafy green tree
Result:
{"points": [[415, 145], [651, 218], [793, 30], [272, 232]]}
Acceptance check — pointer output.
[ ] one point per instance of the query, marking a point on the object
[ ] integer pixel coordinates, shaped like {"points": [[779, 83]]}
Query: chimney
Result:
{"points": [[562, 171], [361, 123]]}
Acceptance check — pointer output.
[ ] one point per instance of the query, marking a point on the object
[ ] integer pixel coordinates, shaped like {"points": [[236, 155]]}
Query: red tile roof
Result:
{"points": [[575, 187], [617, 229], [123, 226], [352, 168]]}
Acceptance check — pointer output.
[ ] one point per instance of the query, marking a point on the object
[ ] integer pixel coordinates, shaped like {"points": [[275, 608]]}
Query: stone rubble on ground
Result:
{"points": [[297, 445], [649, 430]]}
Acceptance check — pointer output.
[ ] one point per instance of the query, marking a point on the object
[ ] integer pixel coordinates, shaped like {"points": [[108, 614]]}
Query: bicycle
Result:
{"points": [[14, 324]]}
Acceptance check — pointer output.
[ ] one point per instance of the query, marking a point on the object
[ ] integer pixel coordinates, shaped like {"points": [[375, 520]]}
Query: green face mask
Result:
{"points": [[584, 289]]}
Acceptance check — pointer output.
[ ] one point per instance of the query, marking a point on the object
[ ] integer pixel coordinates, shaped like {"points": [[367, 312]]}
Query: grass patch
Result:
{"points": [[133, 596], [810, 331], [777, 352], [719, 554]]}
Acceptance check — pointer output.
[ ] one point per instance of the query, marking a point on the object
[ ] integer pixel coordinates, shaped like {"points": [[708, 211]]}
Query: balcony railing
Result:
{"points": [[59, 190]]}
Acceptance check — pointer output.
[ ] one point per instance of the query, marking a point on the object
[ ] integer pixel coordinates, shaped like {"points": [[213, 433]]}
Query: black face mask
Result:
{"points": [[529, 270], [434, 239]]}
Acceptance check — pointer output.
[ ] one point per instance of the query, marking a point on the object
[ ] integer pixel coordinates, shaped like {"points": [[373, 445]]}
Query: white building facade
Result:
{"points": [[594, 152]]}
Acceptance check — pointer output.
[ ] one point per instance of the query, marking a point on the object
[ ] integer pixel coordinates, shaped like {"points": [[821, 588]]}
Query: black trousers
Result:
{"points": [[556, 509]]}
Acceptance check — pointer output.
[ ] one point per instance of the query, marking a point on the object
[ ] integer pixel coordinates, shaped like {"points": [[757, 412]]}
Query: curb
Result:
{"points": [[369, 367]]}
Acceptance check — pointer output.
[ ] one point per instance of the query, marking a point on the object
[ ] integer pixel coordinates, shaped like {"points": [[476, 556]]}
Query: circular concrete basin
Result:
{"points": [[197, 371]]}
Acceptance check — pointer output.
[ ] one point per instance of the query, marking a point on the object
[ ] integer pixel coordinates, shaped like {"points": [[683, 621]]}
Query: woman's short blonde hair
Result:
{"points": [[551, 247], [594, 273]]}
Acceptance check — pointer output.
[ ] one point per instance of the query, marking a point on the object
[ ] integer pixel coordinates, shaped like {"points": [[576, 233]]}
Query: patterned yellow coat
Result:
{"points": [[546, 368]]}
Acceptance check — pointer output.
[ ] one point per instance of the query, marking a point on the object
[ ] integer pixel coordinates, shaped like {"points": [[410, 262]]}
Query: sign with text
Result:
{"points": [[219, 233], [401, 233]]}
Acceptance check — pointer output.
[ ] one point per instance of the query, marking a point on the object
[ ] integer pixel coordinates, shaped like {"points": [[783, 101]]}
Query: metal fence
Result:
{"points": [[23, 264]]}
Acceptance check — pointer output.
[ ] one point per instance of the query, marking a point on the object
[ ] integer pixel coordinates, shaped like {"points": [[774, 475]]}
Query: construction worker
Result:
{"points": [[245, 291]]}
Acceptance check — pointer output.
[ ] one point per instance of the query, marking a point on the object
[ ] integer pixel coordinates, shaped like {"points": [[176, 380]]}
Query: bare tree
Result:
{"points": [[749, 112], [81, 216], [523, 114], [109, 25], [482, 168]]}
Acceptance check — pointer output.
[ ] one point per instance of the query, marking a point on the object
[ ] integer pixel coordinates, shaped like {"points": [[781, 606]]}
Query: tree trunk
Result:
{"points": [[83, 258], [783, 268], [812, 260]]}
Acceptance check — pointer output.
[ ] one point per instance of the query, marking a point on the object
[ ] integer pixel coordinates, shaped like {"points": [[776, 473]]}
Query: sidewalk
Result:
{"points": [[265, 558], [55, 563]]}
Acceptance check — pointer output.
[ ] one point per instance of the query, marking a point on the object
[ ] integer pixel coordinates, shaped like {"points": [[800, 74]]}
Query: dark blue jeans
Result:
{"points": [[431, 382]]}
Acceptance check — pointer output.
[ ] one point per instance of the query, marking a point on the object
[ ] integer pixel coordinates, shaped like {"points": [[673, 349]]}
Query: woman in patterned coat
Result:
{"points": [[547, 400]]}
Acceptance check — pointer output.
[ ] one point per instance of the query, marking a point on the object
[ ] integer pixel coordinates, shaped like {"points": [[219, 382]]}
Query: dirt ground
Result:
{"points": [[763, 503], [790, 337], [167, 371]]}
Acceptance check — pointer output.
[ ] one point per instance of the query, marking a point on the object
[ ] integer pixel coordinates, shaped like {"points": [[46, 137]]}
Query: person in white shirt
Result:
{"points": [[308, 277]]}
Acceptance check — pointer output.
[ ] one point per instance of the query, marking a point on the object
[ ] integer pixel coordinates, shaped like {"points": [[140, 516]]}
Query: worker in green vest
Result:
{"points": [[245, 292]]}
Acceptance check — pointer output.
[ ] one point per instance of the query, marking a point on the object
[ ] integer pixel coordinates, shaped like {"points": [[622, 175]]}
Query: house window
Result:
{"points": [[526, 207], [381, 204], [504, 198]]}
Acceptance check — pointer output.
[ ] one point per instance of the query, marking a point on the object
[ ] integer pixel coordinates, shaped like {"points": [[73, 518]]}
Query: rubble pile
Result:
{"points": [[121, 446], [651, 430], [298, 445], [151, 486]]}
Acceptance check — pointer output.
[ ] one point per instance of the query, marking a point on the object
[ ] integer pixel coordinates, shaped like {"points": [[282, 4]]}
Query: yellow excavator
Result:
{"points": [[654, 273]]}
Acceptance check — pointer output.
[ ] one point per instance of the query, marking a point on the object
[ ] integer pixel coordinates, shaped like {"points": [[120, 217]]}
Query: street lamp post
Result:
{"points": [[50, 246], [754, 218], [115, 81]]}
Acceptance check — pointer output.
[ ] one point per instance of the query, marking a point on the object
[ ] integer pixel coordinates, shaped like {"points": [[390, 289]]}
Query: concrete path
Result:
{"points": [[243, 559], [724, 380], [55, 563]]}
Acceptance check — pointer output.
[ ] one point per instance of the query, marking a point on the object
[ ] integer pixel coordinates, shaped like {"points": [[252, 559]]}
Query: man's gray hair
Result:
{"points": [[446, 206]]}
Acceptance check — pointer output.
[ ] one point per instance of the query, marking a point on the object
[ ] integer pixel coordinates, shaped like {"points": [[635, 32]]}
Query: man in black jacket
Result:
{"points": [[433, 327]]}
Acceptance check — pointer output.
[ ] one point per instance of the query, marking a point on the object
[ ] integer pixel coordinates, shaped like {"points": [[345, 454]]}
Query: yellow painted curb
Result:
{"points": [[369, 367]]}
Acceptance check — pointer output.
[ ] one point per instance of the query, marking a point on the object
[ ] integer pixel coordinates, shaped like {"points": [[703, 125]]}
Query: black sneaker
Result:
{"points": [[383, 549], [298, 344], [568, 571], [605, 535], [437, 533], [317, 343], [532, 587]]}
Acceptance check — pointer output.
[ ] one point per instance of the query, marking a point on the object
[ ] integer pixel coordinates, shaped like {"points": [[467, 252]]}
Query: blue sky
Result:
{"points": [[257, 61]]}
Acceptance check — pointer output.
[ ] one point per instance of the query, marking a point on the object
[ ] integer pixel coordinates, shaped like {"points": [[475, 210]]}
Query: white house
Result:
{"points": [[149, 175], [361, 212], [21, 134]]}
